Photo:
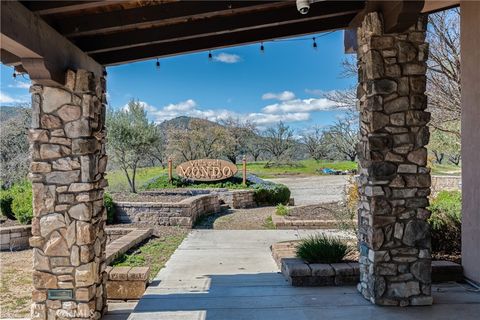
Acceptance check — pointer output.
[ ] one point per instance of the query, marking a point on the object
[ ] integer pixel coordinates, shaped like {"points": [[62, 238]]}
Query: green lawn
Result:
{"points": [[155, 253], [117, 181]]}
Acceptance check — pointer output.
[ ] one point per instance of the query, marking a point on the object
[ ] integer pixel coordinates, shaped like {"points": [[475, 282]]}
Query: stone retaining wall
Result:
{"points": [[125, 243], [15, 238], [447, 183], [183, 213], [126, 283]]}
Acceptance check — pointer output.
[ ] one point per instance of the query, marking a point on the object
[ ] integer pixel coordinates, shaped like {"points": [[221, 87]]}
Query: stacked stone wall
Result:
{"points": [[395, 261], [183, 213], [15, 238], [68, 163]]}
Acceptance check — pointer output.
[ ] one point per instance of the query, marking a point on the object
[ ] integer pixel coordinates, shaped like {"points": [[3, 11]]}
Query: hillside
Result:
{"points": [[183, 122], [7, 112]]}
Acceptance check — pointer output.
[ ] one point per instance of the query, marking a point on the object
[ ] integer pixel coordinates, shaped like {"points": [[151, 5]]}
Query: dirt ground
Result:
{"points": [[15, 284]]}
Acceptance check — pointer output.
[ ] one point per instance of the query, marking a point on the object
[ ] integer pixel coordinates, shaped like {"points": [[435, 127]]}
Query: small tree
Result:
{"points": [[279, 141], [131, 137], [314, 142], [14, 147], [239, 133], [254, 146], [343, 136]]}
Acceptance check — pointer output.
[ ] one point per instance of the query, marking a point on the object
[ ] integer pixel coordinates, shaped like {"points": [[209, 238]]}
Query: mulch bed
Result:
{"points": [[324, 211], [142, 197]]}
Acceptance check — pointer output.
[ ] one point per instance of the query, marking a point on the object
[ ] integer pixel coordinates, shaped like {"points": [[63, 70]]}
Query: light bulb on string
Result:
{"points": [[210, 56], [157, 64], [314, 44], [262, 48]]}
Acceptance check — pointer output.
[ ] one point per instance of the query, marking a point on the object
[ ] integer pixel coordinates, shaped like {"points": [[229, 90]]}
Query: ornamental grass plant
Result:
{"points": [[321, 248]]}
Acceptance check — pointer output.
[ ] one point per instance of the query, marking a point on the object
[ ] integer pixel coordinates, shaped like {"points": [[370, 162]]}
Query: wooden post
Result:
{"points": [[170, 177], [244, 170]]}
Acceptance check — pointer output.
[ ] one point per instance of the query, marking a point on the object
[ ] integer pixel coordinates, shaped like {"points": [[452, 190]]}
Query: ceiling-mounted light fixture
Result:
{"points": [[303, 6]]}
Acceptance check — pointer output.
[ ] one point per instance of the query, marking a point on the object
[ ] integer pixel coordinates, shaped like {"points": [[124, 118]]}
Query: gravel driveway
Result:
{"points": [[314, 189]]}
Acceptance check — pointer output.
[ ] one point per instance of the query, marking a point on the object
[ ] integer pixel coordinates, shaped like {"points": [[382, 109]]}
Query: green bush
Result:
{"points": [[22, 202], [6, 200], [161, 182], [322, 249], [108, 202], [281, 210], [446, 222], [271, 194]]}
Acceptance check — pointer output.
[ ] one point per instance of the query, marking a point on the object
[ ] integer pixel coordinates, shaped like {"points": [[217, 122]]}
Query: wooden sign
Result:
{"points": [[207, 169]]}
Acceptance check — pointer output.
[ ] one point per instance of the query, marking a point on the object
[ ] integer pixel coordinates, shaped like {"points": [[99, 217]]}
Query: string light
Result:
{"points": [[14, 75], [262, 48], [157, 64], [314, 44], [210, 56]]}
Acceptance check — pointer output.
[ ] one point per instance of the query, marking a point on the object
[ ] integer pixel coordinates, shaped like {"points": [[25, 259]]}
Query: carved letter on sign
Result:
{"points": [[207, 170]]}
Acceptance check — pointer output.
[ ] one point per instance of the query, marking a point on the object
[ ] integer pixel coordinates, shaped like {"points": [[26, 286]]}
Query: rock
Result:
{"points": [[75, 256], [386, 269], [40, 262], [415, 230], [85, 233], [56, 246], [80, 187], [418, 84], [414, 69], [419, 156], [84, 146], [403, 289], [49, 121], [398, 233], [61, 140], [406, 51], [381, 170], [383, 86], [407, 168], [86, 274], [54, 98], [85, 294], [43, 280], [125, 290], [52, 151], [69, 113], [63, 177], [421, 301], [50, 223], [82, 211], [422, 270], [86, 254], [378, 121], [38, 311], [397, 119], [397, 105], [38, 135], [40, 167], [71, 234], [78, 128], [65, 164], [374, 65]]}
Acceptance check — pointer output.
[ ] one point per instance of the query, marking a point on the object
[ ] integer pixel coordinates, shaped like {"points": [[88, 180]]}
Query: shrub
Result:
{"points": [[108, 202], [268, 193], [6, 200], [322, 249], [161, 182], [281, 210], [446, 222], [22, 202]]}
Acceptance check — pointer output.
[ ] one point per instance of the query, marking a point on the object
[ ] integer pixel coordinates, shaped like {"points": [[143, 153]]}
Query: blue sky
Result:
{"points": [[284, 83]]}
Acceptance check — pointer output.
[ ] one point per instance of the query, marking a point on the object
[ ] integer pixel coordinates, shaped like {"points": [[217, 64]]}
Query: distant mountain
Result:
{"points": [[7, 112], [183, 122]]}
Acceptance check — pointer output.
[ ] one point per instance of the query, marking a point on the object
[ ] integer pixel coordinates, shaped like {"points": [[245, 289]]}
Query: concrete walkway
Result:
{"points": [[314, 189], [230, 274]]}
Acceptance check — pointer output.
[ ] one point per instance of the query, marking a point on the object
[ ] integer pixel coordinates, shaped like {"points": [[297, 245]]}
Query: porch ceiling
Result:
{"points": [[116, 32]]}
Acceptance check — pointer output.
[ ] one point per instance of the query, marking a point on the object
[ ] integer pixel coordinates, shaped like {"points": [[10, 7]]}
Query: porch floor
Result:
{"points": [[230, 274]]}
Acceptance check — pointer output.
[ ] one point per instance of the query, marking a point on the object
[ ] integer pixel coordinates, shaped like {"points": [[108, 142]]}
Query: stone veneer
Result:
{"points": [[15, 238], [395, 261], [67, 141]]}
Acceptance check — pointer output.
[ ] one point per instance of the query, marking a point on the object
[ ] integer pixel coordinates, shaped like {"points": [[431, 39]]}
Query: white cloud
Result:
{"points": [[315, 92], [300, 105], [20, 85], [282, 96], [181, 106], [227, 57], [5, 98]]}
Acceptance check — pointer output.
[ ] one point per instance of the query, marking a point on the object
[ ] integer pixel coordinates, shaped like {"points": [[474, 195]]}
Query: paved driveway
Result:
{"points": [[315, 189], [230, 274]]}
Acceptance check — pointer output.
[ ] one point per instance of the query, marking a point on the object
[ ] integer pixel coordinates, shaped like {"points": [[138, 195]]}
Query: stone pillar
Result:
{"points": [[394, 182], [67, 142]]}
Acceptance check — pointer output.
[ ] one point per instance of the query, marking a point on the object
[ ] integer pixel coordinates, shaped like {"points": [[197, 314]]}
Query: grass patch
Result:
{"points": [[322, 249], [154, 253], [117, 182], [268, 224], [281, 210], [446, 170]]}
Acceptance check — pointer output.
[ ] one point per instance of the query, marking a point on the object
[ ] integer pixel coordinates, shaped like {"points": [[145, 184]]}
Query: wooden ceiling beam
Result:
{"points": [[158, 15], [44, 8], [214, 26], [221, 41], [43, 52]]}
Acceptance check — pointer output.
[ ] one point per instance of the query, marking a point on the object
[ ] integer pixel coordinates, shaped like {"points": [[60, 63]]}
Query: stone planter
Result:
{"points": [[15, 238]]}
